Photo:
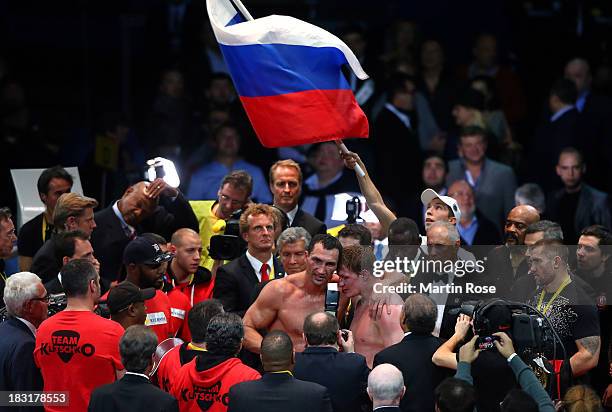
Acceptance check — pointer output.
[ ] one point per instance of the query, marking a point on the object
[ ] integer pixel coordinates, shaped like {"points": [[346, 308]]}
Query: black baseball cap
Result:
{"points": [[126, 293], [144, 251]]}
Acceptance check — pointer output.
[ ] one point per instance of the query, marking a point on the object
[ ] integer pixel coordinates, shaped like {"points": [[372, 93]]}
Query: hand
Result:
{"points": [[348, 345], [351, 159], [607, 397], [463, 325], [504, 345], [376, 306], [159, 187], [468, 352]]}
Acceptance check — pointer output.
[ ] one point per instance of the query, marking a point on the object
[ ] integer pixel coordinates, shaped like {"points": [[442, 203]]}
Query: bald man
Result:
{"points": [[386, 387], [503, 261], [152, 207]]}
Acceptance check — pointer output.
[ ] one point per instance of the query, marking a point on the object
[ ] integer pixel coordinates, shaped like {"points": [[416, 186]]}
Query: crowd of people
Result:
{"points": [[246, 289]]}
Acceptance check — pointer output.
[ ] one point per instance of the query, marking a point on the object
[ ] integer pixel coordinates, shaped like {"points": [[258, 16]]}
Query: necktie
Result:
{"points": [[321, 210], [379, 251], [265, 275]]}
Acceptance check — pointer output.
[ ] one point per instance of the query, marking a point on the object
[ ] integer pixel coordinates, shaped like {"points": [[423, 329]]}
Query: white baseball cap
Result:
{"points": [[429, 194]]}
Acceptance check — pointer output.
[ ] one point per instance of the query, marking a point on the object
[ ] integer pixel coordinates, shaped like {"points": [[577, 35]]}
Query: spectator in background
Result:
{"points": [[433, 175], [554, 134], [69, 246], [412, 356], [355, 235], [207, 179], [171, 124], [531, 194], [328, 180], [397, 140], [437, 84], [7, 240], [493, 183], [52, 183], [454, 395], [508, 84], [27, 305], [286, 186], [380, 241], [77, 339], [344, 374], [278, 390], [364, 90], [581, 398], [134, 391], [292, 249], [474, 228], [386, 388], [72, 212], [153, 207], [577, 205]]}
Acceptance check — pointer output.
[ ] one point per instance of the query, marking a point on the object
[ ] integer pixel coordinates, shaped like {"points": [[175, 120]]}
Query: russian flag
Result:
{"points": [[288, 75]]}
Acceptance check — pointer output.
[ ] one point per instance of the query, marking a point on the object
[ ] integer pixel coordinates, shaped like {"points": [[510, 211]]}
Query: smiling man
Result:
{"points": [[284, 304]]}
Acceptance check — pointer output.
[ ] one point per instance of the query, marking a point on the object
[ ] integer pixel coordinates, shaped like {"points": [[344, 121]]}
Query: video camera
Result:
{"points": [[230, 244], [353, 207], [57, 303]]}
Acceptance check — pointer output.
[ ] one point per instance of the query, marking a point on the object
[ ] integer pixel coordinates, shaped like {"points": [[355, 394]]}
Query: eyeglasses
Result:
{"points": [[44, 299]]}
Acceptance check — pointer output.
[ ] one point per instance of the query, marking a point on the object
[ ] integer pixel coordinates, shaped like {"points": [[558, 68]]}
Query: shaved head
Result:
{"points": [[517, 222], [178, 238]]}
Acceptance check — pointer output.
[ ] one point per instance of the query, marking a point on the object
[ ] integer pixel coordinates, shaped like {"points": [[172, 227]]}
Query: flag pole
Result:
{"points": [[345, 150], [242, 9]]}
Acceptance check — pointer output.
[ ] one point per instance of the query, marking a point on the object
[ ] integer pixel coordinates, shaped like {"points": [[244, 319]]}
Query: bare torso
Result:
{"points": [[295, 305], [371, 336]]}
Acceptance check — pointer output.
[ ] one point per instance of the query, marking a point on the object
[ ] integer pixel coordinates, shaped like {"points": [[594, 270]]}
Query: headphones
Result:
{"points": [[482, 323]]}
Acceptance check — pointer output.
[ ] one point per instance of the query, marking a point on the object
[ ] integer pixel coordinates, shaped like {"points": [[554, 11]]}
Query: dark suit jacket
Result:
{"points": [[593, 208], [130, 394], [345, 375], [312, 225], [18, 371], [236, 284], [44, 263], [109, 239], [412, 356], [278, 392], [486, 238]]}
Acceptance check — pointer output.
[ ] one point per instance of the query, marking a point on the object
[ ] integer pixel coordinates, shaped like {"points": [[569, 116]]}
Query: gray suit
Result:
{"points": [[494, 191]]}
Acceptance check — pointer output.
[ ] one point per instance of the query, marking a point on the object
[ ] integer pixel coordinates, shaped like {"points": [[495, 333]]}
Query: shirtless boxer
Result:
{"points": [[357, 282], [283, 304]]}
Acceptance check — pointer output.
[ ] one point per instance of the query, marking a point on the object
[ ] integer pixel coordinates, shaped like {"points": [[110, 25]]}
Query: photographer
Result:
{"points": [[492, 377], [233, 195]]}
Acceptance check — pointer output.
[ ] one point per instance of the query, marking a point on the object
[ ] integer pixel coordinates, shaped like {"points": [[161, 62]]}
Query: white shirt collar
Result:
{"points": [[256, 264], [29, 325], [403, 117], [291, 214], [138, 374], [407, 333], [124, 224], [560, 113]]}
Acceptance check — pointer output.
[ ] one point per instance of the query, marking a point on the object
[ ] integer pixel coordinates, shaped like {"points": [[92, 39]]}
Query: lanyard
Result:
{"points": [[289, 372], [191, 346], [44, 228], [554, 296], [3, 276]]}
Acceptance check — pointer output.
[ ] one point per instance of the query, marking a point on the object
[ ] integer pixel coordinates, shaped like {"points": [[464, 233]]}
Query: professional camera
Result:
{"points": [[230, 244], [353, 207], [332, 296], [57, 303]]}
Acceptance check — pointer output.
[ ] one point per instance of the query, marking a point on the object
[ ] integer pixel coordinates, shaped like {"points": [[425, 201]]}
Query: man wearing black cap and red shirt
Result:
{"points": [[126, 303], [143, 261]]}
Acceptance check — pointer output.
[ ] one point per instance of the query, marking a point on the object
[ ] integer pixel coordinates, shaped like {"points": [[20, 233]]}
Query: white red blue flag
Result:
{"points": [[288, 74]]}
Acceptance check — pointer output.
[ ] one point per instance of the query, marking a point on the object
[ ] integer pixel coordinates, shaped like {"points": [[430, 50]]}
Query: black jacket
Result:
{"points": [[109, 239], [18, 372], [130, 394], [312, 225], [345, 375], [412, 356], [44, 263], [278, 392], [236, 284]]}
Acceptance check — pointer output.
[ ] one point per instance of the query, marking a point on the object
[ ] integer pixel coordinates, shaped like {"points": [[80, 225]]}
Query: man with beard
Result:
{"points": [[285, 303], [567, 306], [503, 261], [143, 261], [577, 205]]}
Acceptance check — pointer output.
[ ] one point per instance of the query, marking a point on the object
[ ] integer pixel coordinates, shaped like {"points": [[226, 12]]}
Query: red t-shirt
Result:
{"points": [[77, 351], [159, 316], [171, 363], [179, 308], [208, 390]]}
